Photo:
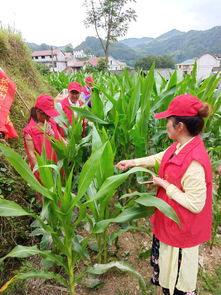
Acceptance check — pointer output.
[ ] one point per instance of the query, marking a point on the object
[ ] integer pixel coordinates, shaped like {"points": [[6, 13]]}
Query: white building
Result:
{"points": [[115, 65], [54, 58], [205, 65], [186, 66], [79, 53]]}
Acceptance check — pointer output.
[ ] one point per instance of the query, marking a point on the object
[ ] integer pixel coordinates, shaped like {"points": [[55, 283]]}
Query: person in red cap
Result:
{"points": [[73, 99], [185, 183], [34, 138], [74, 92], [87, 89]]}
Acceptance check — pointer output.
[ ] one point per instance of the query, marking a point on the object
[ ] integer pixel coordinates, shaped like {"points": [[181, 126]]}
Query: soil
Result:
{"points": [[118, 283]]}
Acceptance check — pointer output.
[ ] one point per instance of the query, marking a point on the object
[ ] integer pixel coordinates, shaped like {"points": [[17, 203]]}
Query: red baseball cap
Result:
{"points": [[74, 86], [90, 79], [182, 105], [45, 103]]}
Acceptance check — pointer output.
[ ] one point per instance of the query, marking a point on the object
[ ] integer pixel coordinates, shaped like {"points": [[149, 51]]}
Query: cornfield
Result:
{"points": [[79, 189]]}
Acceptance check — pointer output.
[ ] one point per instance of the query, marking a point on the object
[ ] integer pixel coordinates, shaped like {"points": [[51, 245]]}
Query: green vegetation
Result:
{"points": [[110, 19], [146, 62], [15, 60], [211, 282], [179, 45], [83, 193]]}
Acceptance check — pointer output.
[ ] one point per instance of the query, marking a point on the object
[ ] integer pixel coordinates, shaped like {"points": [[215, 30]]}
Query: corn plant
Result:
{"points": [[57, 216], [63, 211], [122, 125]]}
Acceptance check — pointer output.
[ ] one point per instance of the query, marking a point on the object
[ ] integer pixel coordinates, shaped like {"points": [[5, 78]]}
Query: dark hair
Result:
{"points": [[194, 124], [33, 115]]}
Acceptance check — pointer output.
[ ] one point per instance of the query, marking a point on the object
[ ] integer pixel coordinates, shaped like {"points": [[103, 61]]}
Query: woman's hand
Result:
{"points": [[125, 164], [160, 182]]}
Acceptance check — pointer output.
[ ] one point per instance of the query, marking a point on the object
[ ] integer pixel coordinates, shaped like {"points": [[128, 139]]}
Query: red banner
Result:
{"points": [[7, 92]]}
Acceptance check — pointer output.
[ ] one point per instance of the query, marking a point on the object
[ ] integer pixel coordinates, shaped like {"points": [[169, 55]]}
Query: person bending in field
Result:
{"points": [[185, 183]]}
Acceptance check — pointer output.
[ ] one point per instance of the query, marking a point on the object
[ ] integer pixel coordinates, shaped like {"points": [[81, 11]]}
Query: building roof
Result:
{"points": [[216, 69], [78, 64], [93, 60], [46, 52], [187, 62]]}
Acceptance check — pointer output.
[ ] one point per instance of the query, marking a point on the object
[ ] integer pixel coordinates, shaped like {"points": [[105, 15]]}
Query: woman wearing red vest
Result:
{"points": [[73, 99], [34, 139], [87, 89], [185, 183]]}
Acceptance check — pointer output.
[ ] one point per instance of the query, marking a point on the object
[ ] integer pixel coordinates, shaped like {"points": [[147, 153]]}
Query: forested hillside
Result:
{"points": [[185, 45], [179, 45]]}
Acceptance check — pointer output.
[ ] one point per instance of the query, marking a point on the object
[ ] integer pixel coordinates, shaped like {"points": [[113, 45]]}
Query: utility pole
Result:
{"points": [[52, 58]]}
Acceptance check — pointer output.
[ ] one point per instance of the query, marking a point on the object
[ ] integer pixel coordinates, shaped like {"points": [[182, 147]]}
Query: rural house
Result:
{"points": [[55, 59], [207, 64], [74, 65], [186, 66]]}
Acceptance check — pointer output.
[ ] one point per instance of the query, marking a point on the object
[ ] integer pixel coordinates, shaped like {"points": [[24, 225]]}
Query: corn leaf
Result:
{"points": [[9, 208], [24, 170], [102, 268], [89, 170], [150, 201]]}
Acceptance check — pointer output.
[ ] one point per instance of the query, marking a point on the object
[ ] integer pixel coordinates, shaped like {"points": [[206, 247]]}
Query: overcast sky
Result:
{"points": [[61, 22]]}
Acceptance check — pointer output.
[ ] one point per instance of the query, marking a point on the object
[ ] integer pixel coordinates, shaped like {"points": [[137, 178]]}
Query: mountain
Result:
{"points": [[180, 45], [170, 34], [186, 45], [117, 50], [43, 46], [133, 42]]}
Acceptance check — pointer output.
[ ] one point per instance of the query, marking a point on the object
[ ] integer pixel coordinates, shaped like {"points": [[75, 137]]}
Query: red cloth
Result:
{"points": [[7, 92], [65, 106], [9, 129], [86, 92], [39, 139], [196, 228], [69, 113]]}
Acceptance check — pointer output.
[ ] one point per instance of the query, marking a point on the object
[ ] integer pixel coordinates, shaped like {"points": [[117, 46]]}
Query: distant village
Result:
{"points": [[72, 62]]}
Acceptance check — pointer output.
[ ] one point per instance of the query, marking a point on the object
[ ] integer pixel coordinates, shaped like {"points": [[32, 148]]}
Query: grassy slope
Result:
{"points": [[15, 60]]}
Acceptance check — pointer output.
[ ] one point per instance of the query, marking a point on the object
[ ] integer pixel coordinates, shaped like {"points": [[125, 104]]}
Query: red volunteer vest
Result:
{"points": [[85, 90], [65, 106], [39, 139], [195, 228]]}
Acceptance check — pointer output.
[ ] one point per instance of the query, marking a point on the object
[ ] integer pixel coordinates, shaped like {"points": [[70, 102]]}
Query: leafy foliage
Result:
{"points": [[146, 62], [78, 189], [109, 17]]}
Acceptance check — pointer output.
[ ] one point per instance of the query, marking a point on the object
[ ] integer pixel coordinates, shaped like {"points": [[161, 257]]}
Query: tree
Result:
{"points": [[146, 62], [89, 68], [68, 48], [102, 66], [110, 20], [165, 61], [43, 69]]}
